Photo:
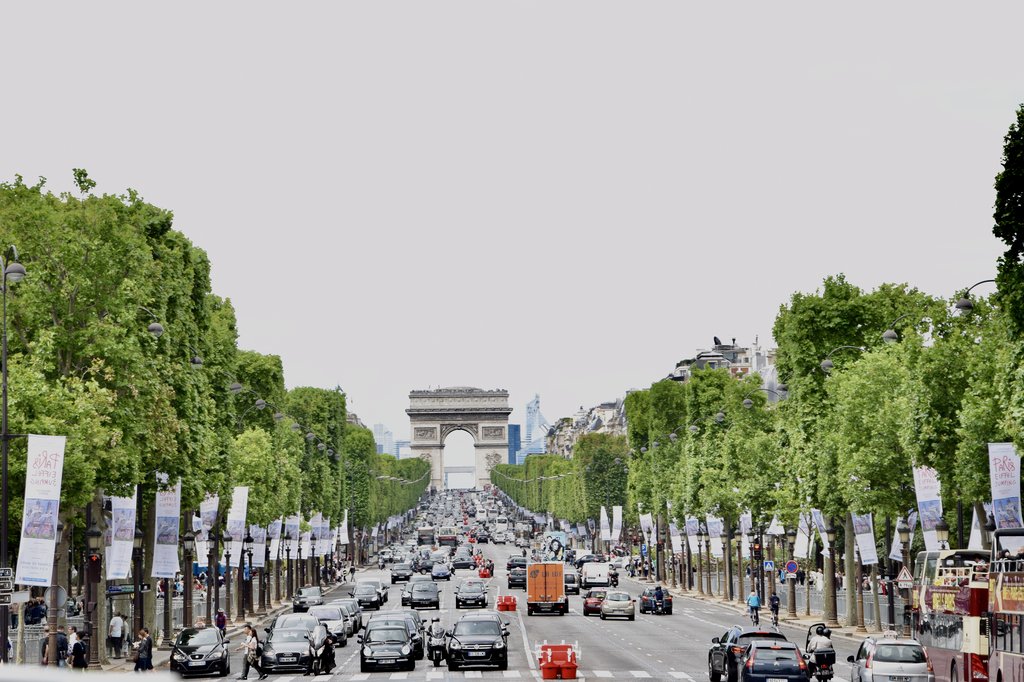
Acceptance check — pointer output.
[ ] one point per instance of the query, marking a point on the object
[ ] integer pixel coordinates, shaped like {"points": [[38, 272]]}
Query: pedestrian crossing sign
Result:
{"points": [[769, 565]]}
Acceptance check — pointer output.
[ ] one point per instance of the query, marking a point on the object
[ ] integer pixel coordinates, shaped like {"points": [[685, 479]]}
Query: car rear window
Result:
{"points": [[618, 596], [899, 653], [749, 637], [775, 659]]}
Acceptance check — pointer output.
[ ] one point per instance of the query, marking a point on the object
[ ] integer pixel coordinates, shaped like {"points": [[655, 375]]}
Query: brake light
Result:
{"points": [[750, 661], [737, 650], [801, 662], [867, 663]]}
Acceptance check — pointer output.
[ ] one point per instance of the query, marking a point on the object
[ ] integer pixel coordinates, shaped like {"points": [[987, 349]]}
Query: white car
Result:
{"points": [[891, 659]]}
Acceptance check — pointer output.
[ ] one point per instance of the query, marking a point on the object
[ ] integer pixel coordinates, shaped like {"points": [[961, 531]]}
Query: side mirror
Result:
{"points": [[266, 630], [849, 659], [359, 638], [714, 640]]}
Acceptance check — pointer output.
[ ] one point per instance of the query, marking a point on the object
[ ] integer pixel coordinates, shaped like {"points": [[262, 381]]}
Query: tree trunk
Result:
{"points": [[850, 572], [874, 596]]}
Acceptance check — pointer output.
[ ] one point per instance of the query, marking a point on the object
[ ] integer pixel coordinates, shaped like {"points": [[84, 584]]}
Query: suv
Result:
{"points": [[401, 571], [515, 561], [590, 559], [477, 641], [306, 597], [725, 657]]}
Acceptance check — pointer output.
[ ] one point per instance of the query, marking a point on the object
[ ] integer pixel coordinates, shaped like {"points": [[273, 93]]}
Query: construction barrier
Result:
{"points": [[558, 661]]}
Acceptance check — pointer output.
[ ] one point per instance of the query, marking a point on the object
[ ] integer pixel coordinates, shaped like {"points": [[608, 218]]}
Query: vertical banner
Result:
{"points": [[715, 536], [315, 522], [327, 546], [776, 527], [343, 531], [692, 530], [1004, 473], [259, 546], [168, 511], [122, 536], [43, 473], [975, 540], [746, 524], [677, 539], [616, 523], [208, 516], [647, 526], [274, 534], [819, 523], [896, 547], [929, 504], [802, 548], [864, 534], [606, 529], [305, 546], [236, 521]]}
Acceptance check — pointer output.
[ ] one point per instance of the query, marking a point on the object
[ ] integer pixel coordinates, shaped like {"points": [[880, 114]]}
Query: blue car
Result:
{"points": [[440, 572]]}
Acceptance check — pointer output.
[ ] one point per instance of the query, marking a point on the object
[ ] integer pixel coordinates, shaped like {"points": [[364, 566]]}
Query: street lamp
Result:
{"points": [[242, 585], [227, 540], [94, 541], [791, 577], [315, 556], [827, 365], [726, 584], [188, 546], [51, 613], [830, 578], [903, 530], [964, 304], [990, 530], [737, 536], [942, 533], [748, 403], [137, 605], [288, 562], [700, 559], [13, 271]]}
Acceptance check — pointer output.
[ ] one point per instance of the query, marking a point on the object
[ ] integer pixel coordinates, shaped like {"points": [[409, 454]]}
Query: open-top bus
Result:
{"points": [[950, 604], [1006, 606]]}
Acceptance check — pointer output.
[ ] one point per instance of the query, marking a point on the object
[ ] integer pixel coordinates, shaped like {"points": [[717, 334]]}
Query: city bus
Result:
{"points": [[1006, 606], [950, 606], [501, 525], [448, 536], [425, 535]]}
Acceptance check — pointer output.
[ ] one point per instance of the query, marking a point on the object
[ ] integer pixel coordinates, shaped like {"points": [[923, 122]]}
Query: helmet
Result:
{"points": [[827, 633], [820, 630]]}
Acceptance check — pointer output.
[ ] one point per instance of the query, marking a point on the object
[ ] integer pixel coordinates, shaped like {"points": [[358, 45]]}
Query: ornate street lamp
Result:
{"points": [[242, 584], [51, 613], [137, 605], [942, 533], [791, 577], [227, 540], [188, 547], [830, 578], [94, 542], [827, 365], [288, 563], [964, 304]]}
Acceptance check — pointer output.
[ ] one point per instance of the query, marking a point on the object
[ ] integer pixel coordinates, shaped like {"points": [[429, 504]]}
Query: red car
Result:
{"points": [[592, 602]]}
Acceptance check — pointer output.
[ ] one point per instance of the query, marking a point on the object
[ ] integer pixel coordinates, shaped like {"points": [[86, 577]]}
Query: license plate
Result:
{"points": [[288, 659], [899, 678], [777, 679], [196, 662], [484, 653]]}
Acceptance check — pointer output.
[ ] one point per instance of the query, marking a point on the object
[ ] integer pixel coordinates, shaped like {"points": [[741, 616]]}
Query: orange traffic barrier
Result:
{"points": [[557, 661], [484, 573]]}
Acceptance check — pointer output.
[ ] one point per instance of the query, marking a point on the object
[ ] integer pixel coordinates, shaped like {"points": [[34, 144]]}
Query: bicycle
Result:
{"points": [[775, 617], [755, 617]]}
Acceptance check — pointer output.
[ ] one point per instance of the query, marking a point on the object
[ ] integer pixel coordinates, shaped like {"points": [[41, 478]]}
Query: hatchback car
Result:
{"points": [[332, 618], [289, 621], [572, 583], [354, 611], [589, 559], [767, 660], [440, 572], [592, 602], [306, 597], [407, 592], [425, 595], [726, 652], [286, 650], [410, 621], [517, 578], [891, 660], [470, 594], [200, 652], [514, 561], [400, 572], [648, 604], [463, 561], [368, 596], [385, 647], [477, 642], [618, 605], [379, 585]]}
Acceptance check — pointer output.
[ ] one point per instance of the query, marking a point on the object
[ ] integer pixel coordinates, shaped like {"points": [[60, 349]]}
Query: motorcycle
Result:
{"points": [[660, 608], [321, 651], [822, 660], [435, 642], [613, 578]]}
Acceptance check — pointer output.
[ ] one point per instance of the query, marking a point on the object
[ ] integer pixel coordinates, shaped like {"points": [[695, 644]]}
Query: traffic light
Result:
{"points": [[756, 549], [93, 567]]}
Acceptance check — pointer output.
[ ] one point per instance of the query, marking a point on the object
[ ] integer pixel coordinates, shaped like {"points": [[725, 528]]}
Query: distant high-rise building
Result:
{"points": [[402, 449], [384, 439], [537, 428], [514, 442]]}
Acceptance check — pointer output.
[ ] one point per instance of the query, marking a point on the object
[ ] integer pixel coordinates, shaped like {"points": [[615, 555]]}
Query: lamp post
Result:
{"points": [[827, 365], [964, 304], [298, 560], [942, 533], [94, 542], [137, 605], [737, 536], [13, 271], [264, 581], [212, 575], [904, 532], [240, 587], [227, 539], [188, 550], [700, 561], [726, 584], [315, 557], [830, 578], [791, 577], [51, 613], [288, 562]]}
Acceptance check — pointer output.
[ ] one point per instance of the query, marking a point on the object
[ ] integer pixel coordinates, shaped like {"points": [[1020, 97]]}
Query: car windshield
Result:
{"points": [[618, 596], [899, 653], [309, 592], [597, 594], [365, 589], [466, 589], [198, 637], [423, 587], [278, 636], [387, 635], [325, 612], [401, 567], [477, 627]]}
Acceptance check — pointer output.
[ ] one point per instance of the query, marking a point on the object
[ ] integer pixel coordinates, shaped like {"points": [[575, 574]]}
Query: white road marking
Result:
{"points": [[473, 673], [602, 673], [679, 675], [512, 673], [526, 642], [639, 673], [361, 676], [435, 675]]}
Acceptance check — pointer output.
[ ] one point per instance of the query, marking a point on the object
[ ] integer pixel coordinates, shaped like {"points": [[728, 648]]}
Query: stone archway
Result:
{"points": [[482, 414]]}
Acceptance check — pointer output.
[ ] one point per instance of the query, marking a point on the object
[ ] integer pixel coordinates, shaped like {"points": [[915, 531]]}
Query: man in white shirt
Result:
{"points": [[116, 633]]}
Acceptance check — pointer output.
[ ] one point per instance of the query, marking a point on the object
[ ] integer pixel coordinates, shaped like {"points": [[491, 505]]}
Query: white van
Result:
{"points": [[594, 575]]}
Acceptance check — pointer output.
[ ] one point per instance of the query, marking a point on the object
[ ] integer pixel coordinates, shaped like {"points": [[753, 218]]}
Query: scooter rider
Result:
{"points": [[435, 642], [822, 639]]}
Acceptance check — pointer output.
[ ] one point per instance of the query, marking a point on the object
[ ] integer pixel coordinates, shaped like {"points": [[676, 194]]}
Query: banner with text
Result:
{"points": [[274, 533], [259, 546], [864, 534], [715, 527], [343, 530], [44, 470], [676, 537], [1004, 473], [819, 523], [122, 536], [692, 531], [236, 521], [929, 504], [168, 510], [802, 548], [616, 523], [606, 529]]}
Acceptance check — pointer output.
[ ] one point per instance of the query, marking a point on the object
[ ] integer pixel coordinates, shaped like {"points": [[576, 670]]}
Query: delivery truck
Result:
{"points": [[545, 588], [595, 575]]}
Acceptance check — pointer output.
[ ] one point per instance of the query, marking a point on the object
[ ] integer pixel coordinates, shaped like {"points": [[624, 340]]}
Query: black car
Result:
{"points": [[483, 536], [726, 654], [385, 646], [517, 578], [367, 595], [306, 597], [514, 561], [590, 559], [425, 595], [294, 620], [286, 650], [410, 621], [766, 660], [477, 641], [471, 594], [200, 652], [463, 561], [332, 618], [648, 604], [400, 572], [572, 583], [407, 592]]}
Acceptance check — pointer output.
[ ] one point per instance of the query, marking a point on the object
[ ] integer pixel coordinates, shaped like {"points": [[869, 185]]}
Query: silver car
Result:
{"points": [[891, 660], [618, 604]]}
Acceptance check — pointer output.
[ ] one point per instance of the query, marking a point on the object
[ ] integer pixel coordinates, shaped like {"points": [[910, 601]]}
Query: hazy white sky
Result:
{"points": [[562, 198]]}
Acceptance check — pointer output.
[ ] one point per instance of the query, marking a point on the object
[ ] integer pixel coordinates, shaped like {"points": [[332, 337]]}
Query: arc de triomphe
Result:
{"points": [[482, 414]]}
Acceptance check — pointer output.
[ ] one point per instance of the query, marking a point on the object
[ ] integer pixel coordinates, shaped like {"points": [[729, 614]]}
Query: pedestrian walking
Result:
{"points": [[143, 651], [253, 650], [115, 634], [352, 573], [80, 652]]}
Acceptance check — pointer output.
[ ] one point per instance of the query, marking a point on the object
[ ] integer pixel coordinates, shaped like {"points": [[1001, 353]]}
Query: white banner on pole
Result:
{"points": [[616, 523], [343, 530], [291, 531], [122, 527], [1004, 472], [802, 547], [929, 504], [606, 529], [168, 513], [208, 515], [676, 538], [896, 548], [305, 547], [864, 534], [819, 523], [692, 530], [715, 533], [274, 533], [259, 546], [315, 522], [44, 471], [236, 521], [647, 526]]}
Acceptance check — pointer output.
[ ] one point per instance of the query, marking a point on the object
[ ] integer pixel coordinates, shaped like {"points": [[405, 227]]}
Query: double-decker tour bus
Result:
{"points": [[1006, 606], [950, 603], [425, 535], [448, 536]]}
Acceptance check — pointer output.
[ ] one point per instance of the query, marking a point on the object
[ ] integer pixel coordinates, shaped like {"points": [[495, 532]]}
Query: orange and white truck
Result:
{"points": [[545, 588]]}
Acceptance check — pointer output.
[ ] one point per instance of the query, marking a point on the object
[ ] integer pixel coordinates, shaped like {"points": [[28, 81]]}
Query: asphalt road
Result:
{"points": [[652, 647]]}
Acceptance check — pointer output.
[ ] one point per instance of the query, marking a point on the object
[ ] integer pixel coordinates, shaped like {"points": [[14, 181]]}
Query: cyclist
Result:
{"points": [[754, 605], [773, 604]]}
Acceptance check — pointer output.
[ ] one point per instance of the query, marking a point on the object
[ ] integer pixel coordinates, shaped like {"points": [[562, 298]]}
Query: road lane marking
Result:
{"points": [[399, 676], [512, 673], [526, 642], [602, 673], [361, 676], [473, 673], [435, 675], [679, 675], [639, 673]]}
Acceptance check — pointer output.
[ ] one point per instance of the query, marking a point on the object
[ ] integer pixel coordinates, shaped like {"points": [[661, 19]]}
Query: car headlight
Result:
{"points": [[367, 651], [499, 644], [178, 656], [216, 654], [455, 644], [406, 650]]}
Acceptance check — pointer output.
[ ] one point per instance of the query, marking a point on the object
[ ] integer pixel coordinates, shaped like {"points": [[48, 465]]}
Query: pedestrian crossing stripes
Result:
{"points": [[444, 674]]}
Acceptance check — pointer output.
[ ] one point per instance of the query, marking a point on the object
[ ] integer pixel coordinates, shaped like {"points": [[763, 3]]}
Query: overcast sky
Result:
{"points": [[562, 198]]}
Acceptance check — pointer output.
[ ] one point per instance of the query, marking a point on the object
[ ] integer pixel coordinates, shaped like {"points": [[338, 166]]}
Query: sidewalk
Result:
{"points": [[162, 657]]}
